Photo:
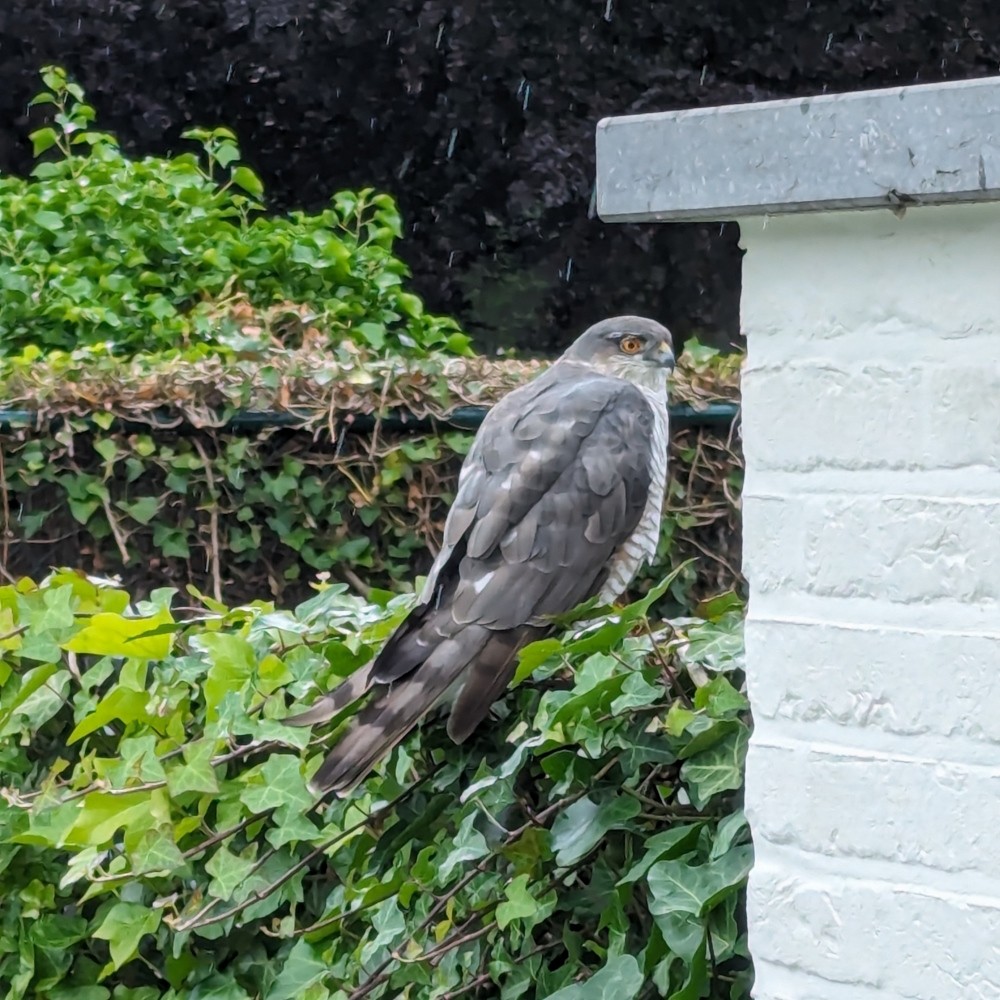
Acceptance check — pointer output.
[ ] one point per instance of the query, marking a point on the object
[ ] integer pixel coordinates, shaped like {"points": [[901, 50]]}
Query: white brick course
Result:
{"points": [[899, 548], [870, 806], [862, 935], [911, 690]]}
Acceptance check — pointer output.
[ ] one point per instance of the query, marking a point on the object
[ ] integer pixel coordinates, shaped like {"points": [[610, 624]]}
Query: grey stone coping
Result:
{"points": [[926, 144]]}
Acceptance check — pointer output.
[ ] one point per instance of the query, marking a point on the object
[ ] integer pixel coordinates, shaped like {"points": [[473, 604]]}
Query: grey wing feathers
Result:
{"points": [[556, 480]]}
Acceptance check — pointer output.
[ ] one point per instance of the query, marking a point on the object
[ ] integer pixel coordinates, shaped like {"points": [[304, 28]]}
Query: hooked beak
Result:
{"points": [[665, 358]]}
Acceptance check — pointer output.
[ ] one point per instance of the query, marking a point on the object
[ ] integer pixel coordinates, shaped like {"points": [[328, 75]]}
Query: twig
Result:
{"points": [[192, 852], [456, 941], [217, 838], [715, 557], [115, 530], [213, 523], [13, 633], [149, 786], [667, 669], [474, 984], [379, 975], [202, 918], [5, 531], [355, 581], [245, 751], [711, 950], [386, 383], [485, 977]]}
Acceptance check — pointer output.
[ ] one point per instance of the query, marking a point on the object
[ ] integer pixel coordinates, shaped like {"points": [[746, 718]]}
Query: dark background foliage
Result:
{"points": [[479, 116]]}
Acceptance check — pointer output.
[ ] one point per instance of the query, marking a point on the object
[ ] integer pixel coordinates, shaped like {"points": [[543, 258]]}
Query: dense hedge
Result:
{"points": [[158, 841], [99, 249], [480, 119], [128, 467]]}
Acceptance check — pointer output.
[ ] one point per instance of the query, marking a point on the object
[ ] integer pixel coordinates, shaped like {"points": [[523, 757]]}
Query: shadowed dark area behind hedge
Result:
{"points": [[479, 117]]}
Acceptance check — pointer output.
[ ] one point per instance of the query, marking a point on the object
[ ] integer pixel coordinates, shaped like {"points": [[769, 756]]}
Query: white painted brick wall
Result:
{"points": [[872, 544]]}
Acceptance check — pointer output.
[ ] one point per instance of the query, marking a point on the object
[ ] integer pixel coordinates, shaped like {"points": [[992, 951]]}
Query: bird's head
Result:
{"points": [[629, 347]]}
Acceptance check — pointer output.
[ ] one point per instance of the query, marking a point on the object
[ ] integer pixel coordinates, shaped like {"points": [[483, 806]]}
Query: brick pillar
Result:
{"points": [[871, 430], [871, 513]]}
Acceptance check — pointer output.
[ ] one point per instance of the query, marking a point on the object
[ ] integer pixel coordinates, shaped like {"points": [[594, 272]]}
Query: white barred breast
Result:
{"points": [[640, 547]]}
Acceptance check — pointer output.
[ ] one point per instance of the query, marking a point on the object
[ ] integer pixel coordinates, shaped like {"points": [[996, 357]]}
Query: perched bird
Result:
{"points": [[558, 500]]}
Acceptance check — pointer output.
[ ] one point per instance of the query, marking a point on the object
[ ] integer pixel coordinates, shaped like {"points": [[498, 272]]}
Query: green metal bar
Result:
{"points": [[462, 418]]}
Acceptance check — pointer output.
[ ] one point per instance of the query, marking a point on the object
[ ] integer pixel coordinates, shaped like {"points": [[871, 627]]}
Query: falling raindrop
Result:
{"points": [[527, 96], [388, 36], [704, 73], [829, 40], [437, 44], [451, 142], [520, 86], [608, 8], [371, 124], [569, 267], [451, 257], [407, 160], [592, 209], [229, 73]]}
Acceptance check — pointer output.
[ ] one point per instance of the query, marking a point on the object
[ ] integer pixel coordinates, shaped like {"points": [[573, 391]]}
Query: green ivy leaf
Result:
{"points": [[720, 699], [518, 903], [123, 927], [579, 828], [108, 634], [718, 769], [228, 872], [276, 784], [303, 968], [697, 978], [102, 815], [233, 664], [120, 703], [669, 844], [196, 773], [678, 887], [142, 510], [620, 979]]}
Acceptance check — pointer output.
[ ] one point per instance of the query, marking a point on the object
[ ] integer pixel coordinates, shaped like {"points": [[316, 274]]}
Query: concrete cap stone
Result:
{"points": [[929, 144]]}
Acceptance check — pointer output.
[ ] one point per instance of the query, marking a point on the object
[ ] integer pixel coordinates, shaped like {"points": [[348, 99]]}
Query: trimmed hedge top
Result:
{"points": [[316, 382]]}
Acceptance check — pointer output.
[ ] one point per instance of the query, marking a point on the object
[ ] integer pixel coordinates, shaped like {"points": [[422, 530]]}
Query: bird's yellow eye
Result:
{"points": [[630, 345]]}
